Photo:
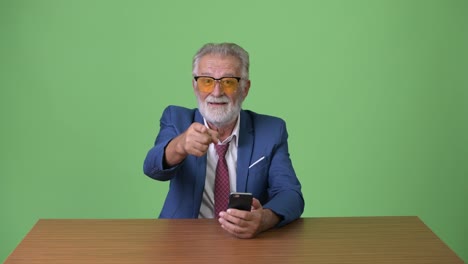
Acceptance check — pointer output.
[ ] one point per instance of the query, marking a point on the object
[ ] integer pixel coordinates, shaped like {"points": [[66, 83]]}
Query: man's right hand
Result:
{"points": [[194, 141]]}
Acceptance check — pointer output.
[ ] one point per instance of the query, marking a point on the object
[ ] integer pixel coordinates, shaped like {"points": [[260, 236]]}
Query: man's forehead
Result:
{"points": [[218, 60]]}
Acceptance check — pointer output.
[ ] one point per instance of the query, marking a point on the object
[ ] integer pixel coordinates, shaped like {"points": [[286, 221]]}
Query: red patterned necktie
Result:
{"points": [[222, 187]]}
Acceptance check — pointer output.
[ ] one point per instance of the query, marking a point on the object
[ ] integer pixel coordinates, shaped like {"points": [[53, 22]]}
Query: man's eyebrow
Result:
{"points": [[229, 75], [225, 75], [204, 74]]}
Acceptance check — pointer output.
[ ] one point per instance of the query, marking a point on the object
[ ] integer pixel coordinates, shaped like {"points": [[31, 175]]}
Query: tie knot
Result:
{"points": [[221, 149]]}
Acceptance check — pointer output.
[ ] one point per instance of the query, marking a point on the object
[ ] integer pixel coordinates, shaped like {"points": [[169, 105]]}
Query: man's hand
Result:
{"points": [[194, 141], [244, 224]]}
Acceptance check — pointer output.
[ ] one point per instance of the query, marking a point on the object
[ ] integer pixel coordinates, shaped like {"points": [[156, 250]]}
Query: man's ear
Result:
{"points": [[194, 85], [245, 92]]}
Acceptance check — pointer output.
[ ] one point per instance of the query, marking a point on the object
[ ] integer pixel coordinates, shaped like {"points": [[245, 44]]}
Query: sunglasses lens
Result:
{"points": [[229, 84], [206, 84]]}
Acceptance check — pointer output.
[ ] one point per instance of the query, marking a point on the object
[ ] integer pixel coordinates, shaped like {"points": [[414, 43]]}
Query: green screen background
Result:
{"points": [[374, 93]]}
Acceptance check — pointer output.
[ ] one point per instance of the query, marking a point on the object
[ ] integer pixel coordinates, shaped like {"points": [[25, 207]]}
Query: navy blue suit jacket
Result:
{"points": [[272, 181]]}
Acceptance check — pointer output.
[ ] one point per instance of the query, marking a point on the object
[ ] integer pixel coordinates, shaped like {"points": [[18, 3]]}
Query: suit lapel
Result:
{"points": [[244, 150]]}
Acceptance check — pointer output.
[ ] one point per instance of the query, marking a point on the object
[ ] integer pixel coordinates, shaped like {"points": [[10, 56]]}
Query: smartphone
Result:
{"points": [[241, 201]]}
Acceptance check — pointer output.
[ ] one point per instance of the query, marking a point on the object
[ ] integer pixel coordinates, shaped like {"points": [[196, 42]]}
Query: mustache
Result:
{"points": [[222, 99]]}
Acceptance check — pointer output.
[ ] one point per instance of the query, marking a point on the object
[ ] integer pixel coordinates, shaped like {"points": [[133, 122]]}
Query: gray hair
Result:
{"points": [[224, 49]]}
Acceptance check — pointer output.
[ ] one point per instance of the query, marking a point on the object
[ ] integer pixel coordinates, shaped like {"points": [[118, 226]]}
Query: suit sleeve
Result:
{"points": [[285, 196], [153, 165]]}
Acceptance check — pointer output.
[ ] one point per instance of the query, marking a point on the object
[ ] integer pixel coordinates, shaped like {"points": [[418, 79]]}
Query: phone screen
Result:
{"points": [[241, 201]]}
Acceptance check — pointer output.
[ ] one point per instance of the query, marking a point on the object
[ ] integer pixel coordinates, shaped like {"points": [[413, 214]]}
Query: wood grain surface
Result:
{"points": [[307, 240]]}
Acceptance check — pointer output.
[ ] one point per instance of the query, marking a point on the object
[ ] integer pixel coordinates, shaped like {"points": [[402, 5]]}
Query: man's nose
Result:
{"points": [[217, 90]]}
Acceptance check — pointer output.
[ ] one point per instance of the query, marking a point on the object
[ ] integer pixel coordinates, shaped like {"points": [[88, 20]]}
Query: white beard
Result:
{"points": [[219, 116]]}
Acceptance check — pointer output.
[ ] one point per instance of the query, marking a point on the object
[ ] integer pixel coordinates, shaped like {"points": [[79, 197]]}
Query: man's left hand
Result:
{"points": [[245, 224]]}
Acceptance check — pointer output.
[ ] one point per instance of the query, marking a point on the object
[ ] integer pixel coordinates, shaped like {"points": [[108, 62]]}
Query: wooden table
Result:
{"points": [[307, 240]]}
